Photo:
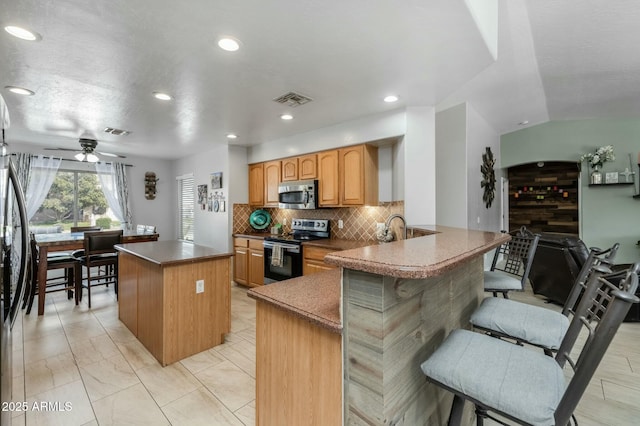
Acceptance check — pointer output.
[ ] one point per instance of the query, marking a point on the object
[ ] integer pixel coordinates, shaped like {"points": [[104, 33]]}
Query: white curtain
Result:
{"points": [[42, 173], [113, 180]]}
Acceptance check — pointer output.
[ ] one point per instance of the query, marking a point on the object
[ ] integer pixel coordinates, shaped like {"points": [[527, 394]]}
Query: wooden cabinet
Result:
{"points": [[358, 171], [271, 181], [290, 169], [256, 185], [328, 181], [248, 266], [307, 167], [346, 177], [313, 260], [256, 263]]}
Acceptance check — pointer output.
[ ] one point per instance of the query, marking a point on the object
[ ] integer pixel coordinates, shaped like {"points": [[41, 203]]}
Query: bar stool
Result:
{"points": [[99, 252]]}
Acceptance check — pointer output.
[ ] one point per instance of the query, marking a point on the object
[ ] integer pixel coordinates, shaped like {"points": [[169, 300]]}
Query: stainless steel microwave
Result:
{"points": [[298, 195]]}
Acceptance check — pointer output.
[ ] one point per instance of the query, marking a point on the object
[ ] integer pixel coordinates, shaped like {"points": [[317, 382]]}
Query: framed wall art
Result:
{"points": [[216, 180]]}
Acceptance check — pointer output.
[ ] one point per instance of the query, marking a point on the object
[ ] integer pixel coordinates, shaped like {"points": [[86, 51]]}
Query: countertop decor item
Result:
{"points": [[488, 178], [260, 219]]}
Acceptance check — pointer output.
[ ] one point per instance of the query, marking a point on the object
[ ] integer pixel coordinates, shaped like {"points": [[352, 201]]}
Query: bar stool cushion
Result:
{"points": [[533, 324], [473, 364], [498, 280]]}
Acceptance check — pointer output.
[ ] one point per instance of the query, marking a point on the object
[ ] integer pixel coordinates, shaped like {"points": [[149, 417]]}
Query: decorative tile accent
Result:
{"points": [[359, 222]]}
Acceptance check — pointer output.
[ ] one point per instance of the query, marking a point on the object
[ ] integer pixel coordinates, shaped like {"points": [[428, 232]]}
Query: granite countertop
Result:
{"points": [[172, 252], [419, 257], [254, 235], [315, 298], [338, 245]]}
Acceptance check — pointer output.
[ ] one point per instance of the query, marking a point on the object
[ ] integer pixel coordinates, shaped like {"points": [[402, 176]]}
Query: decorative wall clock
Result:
{"points": [[488, 178]]}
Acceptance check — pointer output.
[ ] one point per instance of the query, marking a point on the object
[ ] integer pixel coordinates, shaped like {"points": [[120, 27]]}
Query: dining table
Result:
{"points": [[68, 241]]}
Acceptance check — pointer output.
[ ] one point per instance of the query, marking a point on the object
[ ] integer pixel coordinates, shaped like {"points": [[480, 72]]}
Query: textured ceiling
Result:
{"points": [[99, 62]]}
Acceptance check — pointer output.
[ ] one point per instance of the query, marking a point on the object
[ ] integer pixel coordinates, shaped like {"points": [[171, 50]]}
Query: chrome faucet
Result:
{"points": [[388, 222]]}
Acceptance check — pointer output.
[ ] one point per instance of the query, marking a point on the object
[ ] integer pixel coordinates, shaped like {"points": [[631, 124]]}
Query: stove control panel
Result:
{"points": [[321, 225]]}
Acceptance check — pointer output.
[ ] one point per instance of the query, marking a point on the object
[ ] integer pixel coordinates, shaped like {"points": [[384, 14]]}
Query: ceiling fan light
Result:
{"points": [[80, 156], [92, 158]]}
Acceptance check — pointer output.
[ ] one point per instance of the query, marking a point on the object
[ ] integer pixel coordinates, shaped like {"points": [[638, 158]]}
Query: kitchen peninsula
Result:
{"points": [[388, 310], [174, 296]]}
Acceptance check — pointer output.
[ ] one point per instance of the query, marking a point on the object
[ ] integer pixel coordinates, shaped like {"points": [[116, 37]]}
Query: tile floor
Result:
{"points": [[89, 359]]}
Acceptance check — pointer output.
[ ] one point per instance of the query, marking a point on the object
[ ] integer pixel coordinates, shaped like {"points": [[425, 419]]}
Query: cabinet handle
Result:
{"points": [[241, 252], [256, 254]]}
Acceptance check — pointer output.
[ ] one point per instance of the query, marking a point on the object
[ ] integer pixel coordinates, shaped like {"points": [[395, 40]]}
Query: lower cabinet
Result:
{"points": [[313, 260], [248, 264]]}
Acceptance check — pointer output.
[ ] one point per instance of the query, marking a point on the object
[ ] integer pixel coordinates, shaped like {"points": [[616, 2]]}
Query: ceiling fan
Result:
{"points": [[87, 151]]}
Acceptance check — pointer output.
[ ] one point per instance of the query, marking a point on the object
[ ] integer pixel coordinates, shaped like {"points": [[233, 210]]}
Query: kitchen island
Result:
{"points": [[396, 303], [174, 296]]}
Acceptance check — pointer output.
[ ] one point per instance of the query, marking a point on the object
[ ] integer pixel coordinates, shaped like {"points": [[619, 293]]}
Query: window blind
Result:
{"points": [[186, 203]]}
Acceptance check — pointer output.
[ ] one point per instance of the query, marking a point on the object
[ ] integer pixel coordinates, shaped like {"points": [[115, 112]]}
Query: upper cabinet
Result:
{"points": [[308, 167], [328, 180], [256, 184], [358, 170], [346, 177], [271, 181], [290, 169]]}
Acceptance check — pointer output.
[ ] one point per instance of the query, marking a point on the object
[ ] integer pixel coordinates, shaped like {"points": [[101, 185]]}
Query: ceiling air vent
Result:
{"points": [[116, 132], [293, 99]]}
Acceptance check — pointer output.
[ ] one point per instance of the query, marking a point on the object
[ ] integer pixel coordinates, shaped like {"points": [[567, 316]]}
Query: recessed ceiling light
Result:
{"points": [[232, 136], [229, 44], [162, 96], [23, 33], [286, 117], [20, 90], [523, 123], [391, 98]]}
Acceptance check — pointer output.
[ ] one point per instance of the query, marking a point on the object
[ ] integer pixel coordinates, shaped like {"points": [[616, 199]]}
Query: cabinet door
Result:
{"points": [[312, 266], [271, 181], [328, 183], [256, 185], [289, 169], [308, 167], [240, 265], [256, 267], [352, 175]]}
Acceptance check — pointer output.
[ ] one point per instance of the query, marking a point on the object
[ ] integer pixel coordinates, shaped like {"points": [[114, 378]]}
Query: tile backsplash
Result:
{"points": [[359, 222]]}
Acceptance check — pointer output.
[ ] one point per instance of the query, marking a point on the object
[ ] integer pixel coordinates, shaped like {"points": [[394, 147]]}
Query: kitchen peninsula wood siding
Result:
{"points": [[158, 302]]}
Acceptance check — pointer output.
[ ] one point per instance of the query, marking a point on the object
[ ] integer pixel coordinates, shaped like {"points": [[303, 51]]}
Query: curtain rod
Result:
{"points": [[76, 161]]}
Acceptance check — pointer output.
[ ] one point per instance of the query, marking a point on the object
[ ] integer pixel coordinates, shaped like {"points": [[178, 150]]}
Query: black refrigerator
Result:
{"points": [[14, 256]]}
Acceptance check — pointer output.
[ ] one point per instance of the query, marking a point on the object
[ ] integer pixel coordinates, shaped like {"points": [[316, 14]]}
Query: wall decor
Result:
{"points": [[488, 178], [202, 196], [216, 180], [150, 185]]}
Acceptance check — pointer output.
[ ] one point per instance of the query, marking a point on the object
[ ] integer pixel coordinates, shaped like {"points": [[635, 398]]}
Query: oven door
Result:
{"points": [[291, 266]]}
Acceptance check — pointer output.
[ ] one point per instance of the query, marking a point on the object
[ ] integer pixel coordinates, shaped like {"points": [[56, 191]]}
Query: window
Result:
{"points": [[74, 199], [186, 203]]}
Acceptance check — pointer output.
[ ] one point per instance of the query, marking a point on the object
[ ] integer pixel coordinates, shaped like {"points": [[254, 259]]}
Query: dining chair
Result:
{"points": [[140, 229], [536, 325], [149, 229], [85, 228], [69, 282], [100, 252], [511, 263], [525, 386]]}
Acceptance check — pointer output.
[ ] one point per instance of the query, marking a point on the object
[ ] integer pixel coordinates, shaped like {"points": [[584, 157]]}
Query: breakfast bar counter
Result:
{"points": [[396, 303], [174, 296]]}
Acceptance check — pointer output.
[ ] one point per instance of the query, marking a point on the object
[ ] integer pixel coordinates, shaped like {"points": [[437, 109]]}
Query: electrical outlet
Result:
{"points": [[284, 221], [340, 224], [199, 286], [379, 226]]}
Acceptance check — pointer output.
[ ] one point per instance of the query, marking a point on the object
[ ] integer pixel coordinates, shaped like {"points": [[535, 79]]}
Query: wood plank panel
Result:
{"points": [[298, 371], [128, 291], [150, 301]]}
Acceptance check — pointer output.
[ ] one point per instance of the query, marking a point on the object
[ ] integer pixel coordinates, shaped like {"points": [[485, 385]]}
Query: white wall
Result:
{"points": [[451, 170], [419, 145], [479, 136], [371, 128]]}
